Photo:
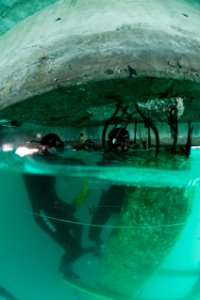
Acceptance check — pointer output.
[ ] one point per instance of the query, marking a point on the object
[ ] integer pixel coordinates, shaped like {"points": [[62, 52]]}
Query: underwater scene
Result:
{"points": [[100, 150], [93, 225]]}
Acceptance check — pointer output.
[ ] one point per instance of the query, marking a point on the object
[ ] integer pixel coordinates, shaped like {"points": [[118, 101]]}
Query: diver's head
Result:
{"points": [[89, 145], [118, 139], [51, 143]]}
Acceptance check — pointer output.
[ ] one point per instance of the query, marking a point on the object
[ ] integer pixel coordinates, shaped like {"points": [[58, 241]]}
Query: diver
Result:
{"points": [[111, 201], [118, 140], [89, 145], [51, 144], [48, 209]]}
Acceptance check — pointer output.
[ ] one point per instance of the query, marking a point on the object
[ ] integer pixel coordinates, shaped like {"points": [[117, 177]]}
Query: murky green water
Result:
{"points": [[131, 223]]}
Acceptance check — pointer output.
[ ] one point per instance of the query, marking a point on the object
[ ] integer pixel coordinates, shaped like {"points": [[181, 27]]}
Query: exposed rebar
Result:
{"points": [[149, 123]]}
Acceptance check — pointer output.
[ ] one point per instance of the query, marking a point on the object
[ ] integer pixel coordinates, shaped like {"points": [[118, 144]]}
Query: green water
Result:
{"points": [[151, 242]]}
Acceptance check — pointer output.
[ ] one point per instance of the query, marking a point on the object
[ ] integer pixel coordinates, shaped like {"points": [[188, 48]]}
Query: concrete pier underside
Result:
{"points": [[71, 56]]}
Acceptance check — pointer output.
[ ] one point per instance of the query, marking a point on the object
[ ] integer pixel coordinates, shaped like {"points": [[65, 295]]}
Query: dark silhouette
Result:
{"points": [[111, 201], [52, 214], [48, 208], [149, 124], [118, 139], [4, 293]]}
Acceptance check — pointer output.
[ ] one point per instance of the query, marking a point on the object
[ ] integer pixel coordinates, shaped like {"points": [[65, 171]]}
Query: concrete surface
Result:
{"points": [[61, 61]]}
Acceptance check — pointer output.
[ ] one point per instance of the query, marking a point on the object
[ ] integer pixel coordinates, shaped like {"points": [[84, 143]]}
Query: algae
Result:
{"points": [[154, 218]]}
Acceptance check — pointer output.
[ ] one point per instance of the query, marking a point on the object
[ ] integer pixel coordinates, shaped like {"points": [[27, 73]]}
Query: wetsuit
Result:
{"points": [[111, 202], [45, 203]]}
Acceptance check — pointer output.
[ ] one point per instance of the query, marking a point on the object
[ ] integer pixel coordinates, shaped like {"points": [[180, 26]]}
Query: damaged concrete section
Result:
{"points": [[55, 69]]}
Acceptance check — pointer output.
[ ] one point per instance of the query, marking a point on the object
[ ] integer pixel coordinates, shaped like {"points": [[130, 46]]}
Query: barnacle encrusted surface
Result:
{"points": [[153, 219]]}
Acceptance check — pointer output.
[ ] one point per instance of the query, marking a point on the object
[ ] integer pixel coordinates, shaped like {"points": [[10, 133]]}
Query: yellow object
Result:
{"points": [[82, 196]]}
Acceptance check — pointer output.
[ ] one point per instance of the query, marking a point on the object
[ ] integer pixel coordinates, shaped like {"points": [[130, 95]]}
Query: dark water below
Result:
{"points": [[150, 239]]}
